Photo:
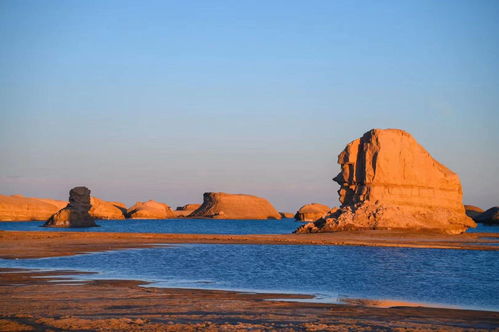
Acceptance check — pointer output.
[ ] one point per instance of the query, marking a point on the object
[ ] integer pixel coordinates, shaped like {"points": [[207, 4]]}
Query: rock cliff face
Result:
{"points": [[102, 209], [20, 208], [235, 206], [491, 216], [150, 210], [311, 212], [389, 181], [184, 211], [75, 214]]}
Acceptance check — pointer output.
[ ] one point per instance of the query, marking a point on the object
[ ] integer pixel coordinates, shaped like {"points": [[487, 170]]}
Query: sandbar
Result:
{"points": [[36, 244], [31, 303]]}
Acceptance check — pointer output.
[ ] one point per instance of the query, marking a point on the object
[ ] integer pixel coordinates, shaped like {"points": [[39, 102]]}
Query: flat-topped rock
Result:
{"points": [[20, 208], [491, 216], [287, 215], [389, 181], [150, 210], [76, 213], [235, 206], [184, 211], [311, 212], [102, 209]]}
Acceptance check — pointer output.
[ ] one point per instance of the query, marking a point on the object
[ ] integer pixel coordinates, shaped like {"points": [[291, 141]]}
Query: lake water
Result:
{"points": [[193, 226], [462, 278]]}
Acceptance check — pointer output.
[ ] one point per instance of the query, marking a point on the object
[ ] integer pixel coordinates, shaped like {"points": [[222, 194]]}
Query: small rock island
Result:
{"points": [[76, 213], [235, 206]]}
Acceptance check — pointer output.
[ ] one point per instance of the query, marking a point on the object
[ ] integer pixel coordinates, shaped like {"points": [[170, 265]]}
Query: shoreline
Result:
{"points": [[38, 244], [59, 303]]}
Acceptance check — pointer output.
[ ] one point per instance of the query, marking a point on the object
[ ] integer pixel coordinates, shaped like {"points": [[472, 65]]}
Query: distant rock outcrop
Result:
{"points": [[102, 209], [235, 206], [491, 216], [311, 212], [472, 211], [150, 210], [287, 215], [20, 208], [389, 181], [76, 213], [184, 211]]}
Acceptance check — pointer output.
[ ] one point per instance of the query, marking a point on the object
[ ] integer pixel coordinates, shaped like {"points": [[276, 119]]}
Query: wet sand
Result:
{"points": [[31, 303], [26, 244]]}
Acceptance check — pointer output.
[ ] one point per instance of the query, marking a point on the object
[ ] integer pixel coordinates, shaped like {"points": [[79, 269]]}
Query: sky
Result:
{"points": [[166, 100]]}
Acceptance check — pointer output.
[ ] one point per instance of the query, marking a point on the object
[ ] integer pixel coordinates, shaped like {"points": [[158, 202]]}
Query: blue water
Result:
{"points": [[481, 228], [193, 226], [462, 278]]}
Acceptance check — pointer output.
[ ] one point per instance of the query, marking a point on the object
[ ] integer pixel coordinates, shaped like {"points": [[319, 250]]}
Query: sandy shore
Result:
{"points": [[31, 303], [24, 244]]}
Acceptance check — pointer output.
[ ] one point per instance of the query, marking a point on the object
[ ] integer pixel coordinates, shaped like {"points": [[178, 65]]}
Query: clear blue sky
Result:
{"points": [[168, 99]]}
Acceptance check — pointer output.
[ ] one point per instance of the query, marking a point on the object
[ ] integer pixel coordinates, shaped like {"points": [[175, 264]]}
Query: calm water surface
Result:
{"points": [[193, 226], [447, 277], [462, 278]]}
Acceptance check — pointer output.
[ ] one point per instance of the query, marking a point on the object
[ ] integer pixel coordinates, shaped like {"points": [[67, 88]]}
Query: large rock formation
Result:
{"points": [[491, 216], [184, 211], [235, 206], [389, 181], [75, 214], [311, 212], [20, 208], [102, 209], [472, 211], [150, 210]]}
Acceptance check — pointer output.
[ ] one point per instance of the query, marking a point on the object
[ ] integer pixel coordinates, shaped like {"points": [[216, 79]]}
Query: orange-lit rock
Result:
{"points": [[150, 210], [311, 212], [102, 209], [20, 208], [76, 213], [184, 211], [389, 181], [287, 215], [235, 206]]}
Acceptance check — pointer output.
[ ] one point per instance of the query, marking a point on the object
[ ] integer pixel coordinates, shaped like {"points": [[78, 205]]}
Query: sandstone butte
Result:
{"points": [[150, 210], [311, 212], [184, 211], [472, 211], [388, 181], [76, 213], [287, 215], [20, 208], [102, 209], [235, 206]]}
